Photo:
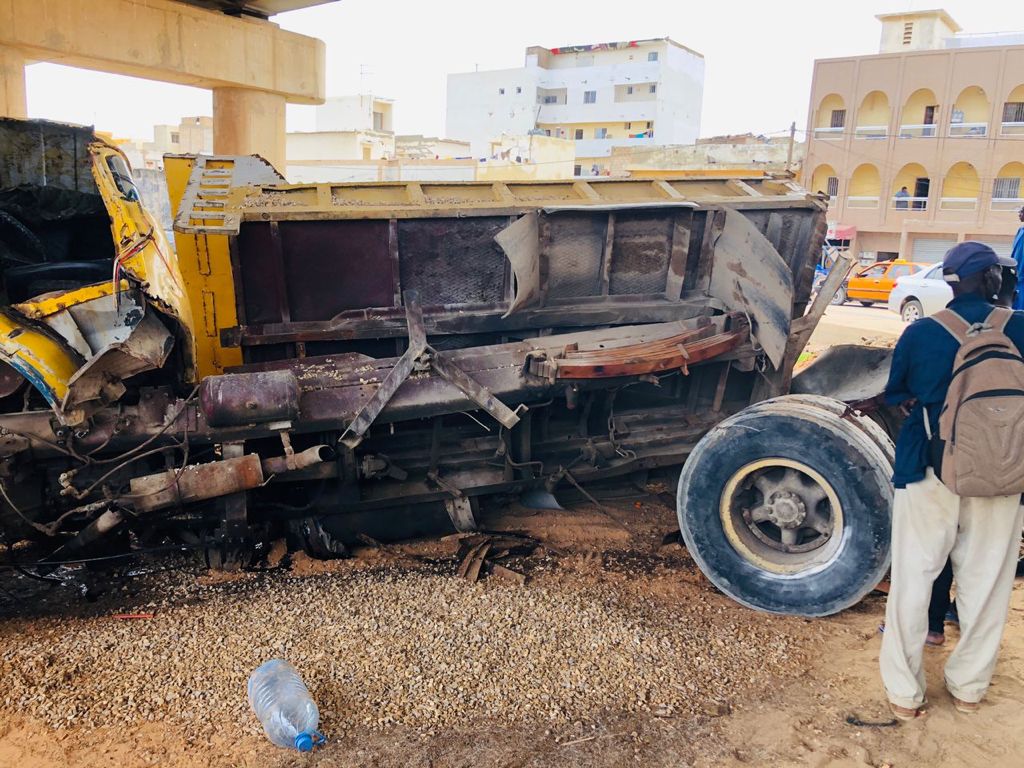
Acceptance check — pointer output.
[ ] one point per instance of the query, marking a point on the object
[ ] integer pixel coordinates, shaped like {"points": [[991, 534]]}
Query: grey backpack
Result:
{"points": [[979, 450]]}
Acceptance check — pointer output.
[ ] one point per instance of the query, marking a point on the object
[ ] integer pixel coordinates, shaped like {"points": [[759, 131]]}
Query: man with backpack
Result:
{"points": [[959, 474]]}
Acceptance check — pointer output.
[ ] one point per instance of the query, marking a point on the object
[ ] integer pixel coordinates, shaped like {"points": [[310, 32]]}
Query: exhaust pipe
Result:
{"points": [[291, 462], [196, 482]]}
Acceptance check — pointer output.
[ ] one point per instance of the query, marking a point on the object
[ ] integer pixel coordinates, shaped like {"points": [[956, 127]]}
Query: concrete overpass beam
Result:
{"points": [[247, 122], [12, 84]]}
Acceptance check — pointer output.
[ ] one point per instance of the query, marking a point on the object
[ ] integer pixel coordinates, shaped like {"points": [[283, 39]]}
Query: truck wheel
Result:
{"points": [[840, 297], [786, 506]]}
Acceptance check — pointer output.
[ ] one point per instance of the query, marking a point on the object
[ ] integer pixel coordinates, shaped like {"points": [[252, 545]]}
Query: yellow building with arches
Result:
{"points": [[920, 145]]}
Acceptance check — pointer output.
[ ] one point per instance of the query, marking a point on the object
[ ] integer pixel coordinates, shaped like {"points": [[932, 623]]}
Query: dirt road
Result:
{"points": [[633, 657], [854, 324]]}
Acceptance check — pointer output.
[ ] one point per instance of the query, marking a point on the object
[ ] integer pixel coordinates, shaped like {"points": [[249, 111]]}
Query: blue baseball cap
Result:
{"points": [[969, 258]]}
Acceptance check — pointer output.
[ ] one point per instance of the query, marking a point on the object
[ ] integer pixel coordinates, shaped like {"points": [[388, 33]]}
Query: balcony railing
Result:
{"points": [[917, 131], [1007, 203], [1012, 129], [968, 130], [829, 133], [862, 201], [958, 203], [910, 203], [870, 131]]}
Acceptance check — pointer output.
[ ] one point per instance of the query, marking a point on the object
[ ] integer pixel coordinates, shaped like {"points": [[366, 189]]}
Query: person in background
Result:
{"points": [[1018, 255], [931, 524], [941, 607], [901, 199]]}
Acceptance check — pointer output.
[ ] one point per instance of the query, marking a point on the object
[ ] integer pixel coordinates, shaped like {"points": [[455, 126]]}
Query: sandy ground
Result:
{"points": [[827, 710], [854, 324], [799, 720]]}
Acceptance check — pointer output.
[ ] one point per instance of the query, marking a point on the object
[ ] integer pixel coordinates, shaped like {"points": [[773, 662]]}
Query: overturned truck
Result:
{"points": [[312, 355]]}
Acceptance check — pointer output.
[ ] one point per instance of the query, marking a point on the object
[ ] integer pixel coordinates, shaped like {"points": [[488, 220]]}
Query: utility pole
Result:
{"points": [[792, 137]]}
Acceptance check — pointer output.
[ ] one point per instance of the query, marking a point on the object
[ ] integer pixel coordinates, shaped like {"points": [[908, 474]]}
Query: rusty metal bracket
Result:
{"points": [[421, 356], [434, 477]]}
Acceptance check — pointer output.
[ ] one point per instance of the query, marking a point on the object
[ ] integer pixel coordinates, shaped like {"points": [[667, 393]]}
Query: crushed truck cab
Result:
{"points": [[316, 361], [76, 346]]}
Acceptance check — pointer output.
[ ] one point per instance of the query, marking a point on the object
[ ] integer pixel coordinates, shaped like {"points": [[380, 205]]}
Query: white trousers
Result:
{"points": [[982, 535]]}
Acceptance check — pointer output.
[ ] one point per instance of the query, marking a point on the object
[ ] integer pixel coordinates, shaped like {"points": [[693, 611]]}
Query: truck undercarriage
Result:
{"points": [[313, 354]]}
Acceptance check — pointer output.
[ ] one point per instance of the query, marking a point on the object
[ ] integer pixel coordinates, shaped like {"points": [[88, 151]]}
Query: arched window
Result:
{"points": [[920, 115], [1013, 113], [865, 187], [961, 188], [969, 117], [910, 188], [824, 180], [1008, 187], [830, 119], [873, 116]]}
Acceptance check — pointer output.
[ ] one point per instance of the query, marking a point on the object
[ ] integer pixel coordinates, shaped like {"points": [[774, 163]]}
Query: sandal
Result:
{"points": [[906, 713], [966, 707]]}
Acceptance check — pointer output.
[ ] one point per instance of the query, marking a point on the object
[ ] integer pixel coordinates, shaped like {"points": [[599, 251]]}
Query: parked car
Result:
{"points": [[872, 284], [921, 294]]}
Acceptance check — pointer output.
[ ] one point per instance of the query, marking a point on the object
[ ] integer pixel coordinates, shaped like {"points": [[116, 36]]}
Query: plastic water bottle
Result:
{"points": [[283, 706]]}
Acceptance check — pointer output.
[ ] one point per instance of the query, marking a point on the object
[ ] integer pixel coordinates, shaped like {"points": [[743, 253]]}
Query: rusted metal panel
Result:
{"points": [[641, 252], [520, 242], [680, 248], [453, 261], [572, 253], [328, 267], [748, 275], [44, 153]]}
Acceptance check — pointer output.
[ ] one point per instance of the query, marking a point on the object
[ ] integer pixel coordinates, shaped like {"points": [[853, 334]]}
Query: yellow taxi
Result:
{"points": [[872, 284]]}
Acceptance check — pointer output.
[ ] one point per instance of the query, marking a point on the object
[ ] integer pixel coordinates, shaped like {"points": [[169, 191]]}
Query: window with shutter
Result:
{"points": [[1013, 112], [1007, 188]]}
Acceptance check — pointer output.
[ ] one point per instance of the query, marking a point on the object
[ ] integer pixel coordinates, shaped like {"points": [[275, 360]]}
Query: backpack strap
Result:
{"points": [[955, 325], [998, 318]]}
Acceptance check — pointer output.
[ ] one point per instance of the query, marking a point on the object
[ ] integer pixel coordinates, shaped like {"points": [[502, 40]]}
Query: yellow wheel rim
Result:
{"points": [[774, 514]]}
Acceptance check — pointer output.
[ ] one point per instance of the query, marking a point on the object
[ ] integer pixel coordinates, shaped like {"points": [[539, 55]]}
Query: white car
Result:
{"points": [[920, 294]]}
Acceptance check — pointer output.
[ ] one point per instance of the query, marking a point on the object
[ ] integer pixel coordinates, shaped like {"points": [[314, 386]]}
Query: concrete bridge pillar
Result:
{"points": [[12, 83], [247, 121]]}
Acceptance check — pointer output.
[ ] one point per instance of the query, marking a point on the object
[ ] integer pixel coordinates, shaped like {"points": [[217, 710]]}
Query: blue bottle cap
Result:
{"points": [[304, 742]]}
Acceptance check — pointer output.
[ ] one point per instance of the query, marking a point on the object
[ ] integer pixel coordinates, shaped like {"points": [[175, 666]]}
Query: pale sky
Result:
{"points": [[758, 55]]}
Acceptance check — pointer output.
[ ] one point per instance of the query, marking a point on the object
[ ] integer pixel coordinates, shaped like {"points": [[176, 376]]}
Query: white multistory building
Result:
{"points": [[635, 93]]}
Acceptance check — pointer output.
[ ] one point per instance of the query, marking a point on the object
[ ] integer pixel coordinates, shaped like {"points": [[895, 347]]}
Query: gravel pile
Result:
{"points": [[390, 647]]}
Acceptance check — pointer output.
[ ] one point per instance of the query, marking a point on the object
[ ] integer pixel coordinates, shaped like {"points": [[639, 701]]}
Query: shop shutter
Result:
{"points": [[929, 250], [1001, 245]]}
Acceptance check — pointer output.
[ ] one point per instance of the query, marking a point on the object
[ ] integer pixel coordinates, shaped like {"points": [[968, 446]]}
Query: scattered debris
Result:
{"points": [[508, 574], [477, 550]]}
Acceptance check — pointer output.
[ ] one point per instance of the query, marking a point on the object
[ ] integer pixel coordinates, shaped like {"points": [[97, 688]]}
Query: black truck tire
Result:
{"points": [[786, 506]]}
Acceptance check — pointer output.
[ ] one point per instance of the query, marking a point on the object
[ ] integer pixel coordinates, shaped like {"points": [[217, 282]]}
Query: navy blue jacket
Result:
{"points": [[922, 366]]}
